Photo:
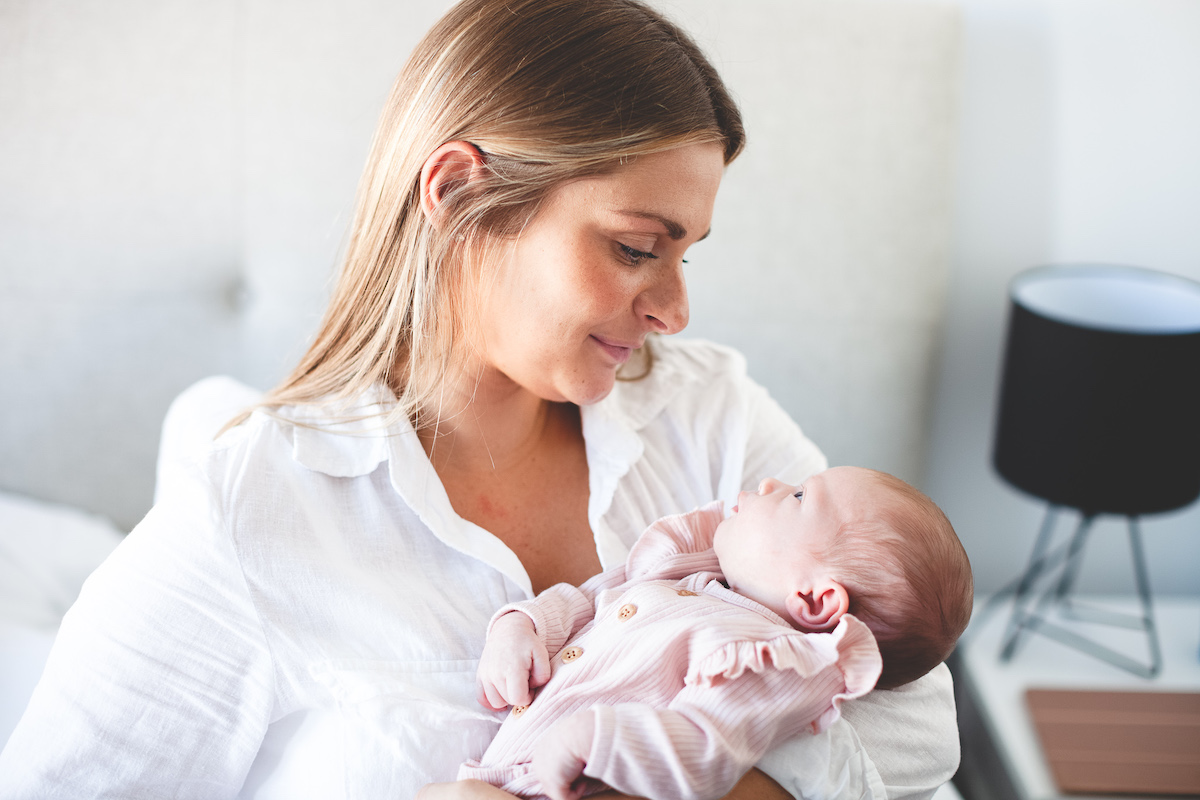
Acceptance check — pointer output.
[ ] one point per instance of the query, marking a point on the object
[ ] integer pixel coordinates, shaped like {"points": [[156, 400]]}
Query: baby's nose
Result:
{"points": [[768, 485]]}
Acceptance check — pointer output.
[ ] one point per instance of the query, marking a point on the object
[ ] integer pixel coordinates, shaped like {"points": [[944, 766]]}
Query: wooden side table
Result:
{"points": [[1002, 756]]}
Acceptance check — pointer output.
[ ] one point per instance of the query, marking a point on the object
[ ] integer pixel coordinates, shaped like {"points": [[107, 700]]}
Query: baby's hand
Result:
{"points": [[562, 753], [514, 662]]}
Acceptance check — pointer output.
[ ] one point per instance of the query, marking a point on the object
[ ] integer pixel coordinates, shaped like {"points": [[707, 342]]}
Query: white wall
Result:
{"points": [[1079, 141], [176, 178]]}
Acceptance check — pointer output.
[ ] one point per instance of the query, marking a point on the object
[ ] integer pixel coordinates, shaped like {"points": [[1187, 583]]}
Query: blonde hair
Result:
{"points": [[549, 91], [921, 603]]}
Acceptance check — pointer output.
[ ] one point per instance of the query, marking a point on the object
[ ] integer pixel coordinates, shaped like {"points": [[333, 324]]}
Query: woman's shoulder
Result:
{"points": [[266, 441]]}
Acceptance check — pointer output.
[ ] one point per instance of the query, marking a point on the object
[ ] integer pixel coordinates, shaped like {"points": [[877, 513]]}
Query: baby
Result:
{"points": [[719, 639]]}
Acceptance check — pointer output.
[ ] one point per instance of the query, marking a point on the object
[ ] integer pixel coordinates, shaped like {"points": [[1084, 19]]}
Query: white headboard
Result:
{"points": [[176, 180]]}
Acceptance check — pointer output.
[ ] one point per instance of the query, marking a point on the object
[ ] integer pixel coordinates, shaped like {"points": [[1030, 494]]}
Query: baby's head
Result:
{"points": [[858, 541]]}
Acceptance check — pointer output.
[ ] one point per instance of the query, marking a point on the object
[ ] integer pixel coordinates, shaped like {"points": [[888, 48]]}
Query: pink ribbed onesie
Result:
{"points": [[691, 683]]}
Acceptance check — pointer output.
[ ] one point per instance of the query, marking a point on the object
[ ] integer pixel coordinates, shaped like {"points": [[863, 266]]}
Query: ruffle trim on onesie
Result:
{"points": [[851, 646]]}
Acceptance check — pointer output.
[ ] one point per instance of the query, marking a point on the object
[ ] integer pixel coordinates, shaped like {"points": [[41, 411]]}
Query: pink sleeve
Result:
{"points": [[706, 740], [558, 613], [740, 704], [677, 546], [671, 548]]}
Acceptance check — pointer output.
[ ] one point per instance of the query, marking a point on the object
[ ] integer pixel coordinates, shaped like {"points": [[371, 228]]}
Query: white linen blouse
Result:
{"points": [[302, 618]]}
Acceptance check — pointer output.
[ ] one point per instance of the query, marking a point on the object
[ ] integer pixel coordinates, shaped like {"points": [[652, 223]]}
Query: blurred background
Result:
{"points": [[176, 178]]}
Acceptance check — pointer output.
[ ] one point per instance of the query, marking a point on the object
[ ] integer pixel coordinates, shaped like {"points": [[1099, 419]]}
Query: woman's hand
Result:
{"points": [[754, 785], [514, 662], [462, 790]]}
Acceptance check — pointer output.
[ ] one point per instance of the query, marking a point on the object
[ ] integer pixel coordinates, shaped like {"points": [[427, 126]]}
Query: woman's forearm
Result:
{"points": [[754, 785], [757, 784]]}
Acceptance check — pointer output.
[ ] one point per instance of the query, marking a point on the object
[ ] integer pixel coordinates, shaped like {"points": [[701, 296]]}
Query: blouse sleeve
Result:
{"points": [[911, 733], [893, 744], [160, 683]]}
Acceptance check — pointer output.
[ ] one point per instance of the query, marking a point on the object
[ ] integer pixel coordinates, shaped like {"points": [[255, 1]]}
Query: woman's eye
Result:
{"points": [[632, 255]]}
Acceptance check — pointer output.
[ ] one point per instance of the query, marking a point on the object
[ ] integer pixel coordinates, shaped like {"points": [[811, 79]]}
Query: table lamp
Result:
{"points": [[1099, 412]]}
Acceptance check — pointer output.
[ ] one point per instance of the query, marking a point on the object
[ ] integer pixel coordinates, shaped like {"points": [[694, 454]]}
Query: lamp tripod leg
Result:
{"points": [[1018, 620], [1066, 583], [1142, 576]]}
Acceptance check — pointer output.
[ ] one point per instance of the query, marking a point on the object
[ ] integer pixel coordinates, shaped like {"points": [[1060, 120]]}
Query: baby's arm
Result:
{"points": [[515, 658], [696, 748], [737, 705], [522, 636], [560, 757], [514, 662]]}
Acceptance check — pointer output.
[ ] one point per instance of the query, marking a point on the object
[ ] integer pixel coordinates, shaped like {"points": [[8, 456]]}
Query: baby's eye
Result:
{"points": [[799, 495], [633, 255]]}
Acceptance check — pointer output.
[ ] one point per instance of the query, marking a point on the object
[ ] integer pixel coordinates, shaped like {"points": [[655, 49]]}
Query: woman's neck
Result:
{"points": [[486, 424], [516, 465]]}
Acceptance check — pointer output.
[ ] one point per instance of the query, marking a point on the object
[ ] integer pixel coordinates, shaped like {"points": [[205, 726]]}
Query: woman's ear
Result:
{"points": [[449, 167], [820, 609]]}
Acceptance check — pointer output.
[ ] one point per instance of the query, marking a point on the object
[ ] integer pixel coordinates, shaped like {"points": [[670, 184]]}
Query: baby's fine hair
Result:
{"points": [[908, 578]]}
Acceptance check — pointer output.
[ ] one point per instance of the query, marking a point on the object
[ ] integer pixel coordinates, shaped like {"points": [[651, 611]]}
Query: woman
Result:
{"points": [[304, 618]]}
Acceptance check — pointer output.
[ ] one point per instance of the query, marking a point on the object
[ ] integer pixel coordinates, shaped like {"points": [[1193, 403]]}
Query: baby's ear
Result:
{"points": [[819, 609]]}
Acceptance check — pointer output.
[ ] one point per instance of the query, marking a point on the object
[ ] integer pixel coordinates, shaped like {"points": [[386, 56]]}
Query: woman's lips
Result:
{"points": [[619, 352]]}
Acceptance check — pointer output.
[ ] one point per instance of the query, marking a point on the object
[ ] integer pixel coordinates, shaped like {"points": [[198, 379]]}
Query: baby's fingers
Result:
{"points": [[516, 689], [490, 696], [539, 669]]}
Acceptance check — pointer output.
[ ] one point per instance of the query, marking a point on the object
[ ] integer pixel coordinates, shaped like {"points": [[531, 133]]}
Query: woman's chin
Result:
{"points": [[591, 392]]}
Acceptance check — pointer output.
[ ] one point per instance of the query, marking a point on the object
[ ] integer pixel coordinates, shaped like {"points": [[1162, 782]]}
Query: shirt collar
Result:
{"points": [[356, 442], [347, 444]]}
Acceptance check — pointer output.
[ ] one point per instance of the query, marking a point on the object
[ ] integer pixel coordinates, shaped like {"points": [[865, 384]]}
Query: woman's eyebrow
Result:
{"points": [[674, 229]]}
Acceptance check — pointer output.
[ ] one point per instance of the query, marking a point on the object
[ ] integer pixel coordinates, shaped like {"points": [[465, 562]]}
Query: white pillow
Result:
{"points": [[46, 552]]}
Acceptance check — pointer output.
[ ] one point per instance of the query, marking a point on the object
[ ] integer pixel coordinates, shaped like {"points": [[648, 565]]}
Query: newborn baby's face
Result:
{"points": [[768, 548]]}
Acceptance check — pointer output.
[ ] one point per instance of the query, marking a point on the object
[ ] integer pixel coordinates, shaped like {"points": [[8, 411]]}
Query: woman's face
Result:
{"points": [[598, 268]]}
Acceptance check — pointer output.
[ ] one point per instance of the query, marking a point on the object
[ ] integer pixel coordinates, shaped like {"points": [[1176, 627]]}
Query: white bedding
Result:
{"points": [[46, 552]]}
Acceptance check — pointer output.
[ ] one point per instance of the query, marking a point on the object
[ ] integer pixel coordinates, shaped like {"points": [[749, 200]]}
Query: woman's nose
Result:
{"points": [[664, 303]]}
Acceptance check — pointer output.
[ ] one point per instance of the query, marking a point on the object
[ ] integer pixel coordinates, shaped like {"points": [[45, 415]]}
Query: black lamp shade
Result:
{"points": [[1100, 394]]}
